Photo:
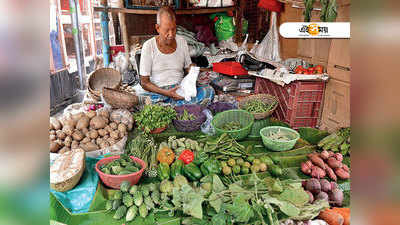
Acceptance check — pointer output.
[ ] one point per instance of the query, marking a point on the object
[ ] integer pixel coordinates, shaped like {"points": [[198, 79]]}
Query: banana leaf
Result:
{"points": [[312, 135]]}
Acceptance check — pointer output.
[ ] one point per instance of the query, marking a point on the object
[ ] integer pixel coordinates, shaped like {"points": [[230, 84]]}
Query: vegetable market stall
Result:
{"points": [[187, 181]]}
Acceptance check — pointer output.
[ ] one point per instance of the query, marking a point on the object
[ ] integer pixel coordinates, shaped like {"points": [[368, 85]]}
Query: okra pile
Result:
{"points": [[122, 166]]}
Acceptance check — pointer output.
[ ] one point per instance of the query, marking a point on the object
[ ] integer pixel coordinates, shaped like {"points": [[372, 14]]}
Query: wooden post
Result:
{"points": [[240, 5], [124, 32]]}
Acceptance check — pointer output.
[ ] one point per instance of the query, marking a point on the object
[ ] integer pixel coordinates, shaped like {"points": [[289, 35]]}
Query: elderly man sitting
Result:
{"points": [[164, 61]]}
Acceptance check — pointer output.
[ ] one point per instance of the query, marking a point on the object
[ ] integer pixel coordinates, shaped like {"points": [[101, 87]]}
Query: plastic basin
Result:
{"points": [[279, 145], [114, 181]]}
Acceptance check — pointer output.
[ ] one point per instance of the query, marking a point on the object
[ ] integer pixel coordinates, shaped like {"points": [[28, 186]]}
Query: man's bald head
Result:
{"points": [[165, 12]]}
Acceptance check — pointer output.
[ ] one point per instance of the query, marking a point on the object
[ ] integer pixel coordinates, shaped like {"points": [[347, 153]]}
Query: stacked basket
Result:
{"points": [[104, 77], [261, 119]]}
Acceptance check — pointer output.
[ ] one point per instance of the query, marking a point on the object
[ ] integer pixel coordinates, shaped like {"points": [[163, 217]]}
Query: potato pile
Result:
{"points": [[89, 131], [326, 163]]}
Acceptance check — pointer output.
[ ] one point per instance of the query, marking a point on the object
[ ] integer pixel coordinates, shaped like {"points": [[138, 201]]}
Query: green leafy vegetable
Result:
{"points": [[186, 116], [154, 116]]}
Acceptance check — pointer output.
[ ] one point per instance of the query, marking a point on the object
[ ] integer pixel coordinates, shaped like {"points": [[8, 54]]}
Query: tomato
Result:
{"points": [[299, 70], [319, 69]]}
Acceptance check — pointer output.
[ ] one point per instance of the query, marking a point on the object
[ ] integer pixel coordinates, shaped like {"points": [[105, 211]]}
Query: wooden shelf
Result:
{"points": [[177, 11]]}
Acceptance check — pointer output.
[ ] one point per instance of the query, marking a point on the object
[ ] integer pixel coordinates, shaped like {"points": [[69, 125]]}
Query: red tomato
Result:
{"points": [[299, 70], [319, 69]]}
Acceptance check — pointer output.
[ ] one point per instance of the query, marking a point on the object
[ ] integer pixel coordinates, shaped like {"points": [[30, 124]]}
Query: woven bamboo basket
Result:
{"points": [[268, 99], [119, 99], [104, 77]]}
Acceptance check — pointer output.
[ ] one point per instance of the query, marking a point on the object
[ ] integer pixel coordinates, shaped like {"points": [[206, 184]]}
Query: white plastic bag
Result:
{"points": [[269, 48], [207, 127], [187, 88]]}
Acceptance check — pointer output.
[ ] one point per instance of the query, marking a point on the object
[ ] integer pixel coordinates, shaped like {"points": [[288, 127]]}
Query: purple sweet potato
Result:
{"points": [[313, 186], [315, 159], [333, 185], [336, 197], [322, 196], [333, 163], [311, 197], [325, 185]]}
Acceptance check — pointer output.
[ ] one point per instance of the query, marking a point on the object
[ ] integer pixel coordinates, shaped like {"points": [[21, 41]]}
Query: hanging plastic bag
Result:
{"points": [[207, 127], [269, 48], [187, 88]]}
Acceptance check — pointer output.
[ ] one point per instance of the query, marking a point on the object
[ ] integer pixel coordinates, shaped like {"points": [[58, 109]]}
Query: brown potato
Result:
{"points": [[106, 137], [89, 147], [122, 127], [68, 130], [98, 122], [55, 123], [70, 122], [93, 134], [108, 128], [83, 122], [61, 135], [114, 134], [74, 144], [113, 125], [85, 131], [102, 132], [54, 146], [52, 137], [51, 127], [91, 114], [76, 117], [111, 141], [104, 144], [99, 140], [85, 140], [64, 150], [104, 113], [52, 132], [68, 141], [77, 135]]}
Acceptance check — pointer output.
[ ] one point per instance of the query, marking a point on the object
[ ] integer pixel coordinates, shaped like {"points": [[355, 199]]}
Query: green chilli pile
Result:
{"points": [[258, 106]]}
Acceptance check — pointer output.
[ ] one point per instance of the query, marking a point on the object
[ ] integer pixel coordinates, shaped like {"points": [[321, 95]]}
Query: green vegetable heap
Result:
{"points": [[144, 148], [258, 106], [131, 201], [231, 126], [154, 116], [122, 166], [338, 141], [186, 116]]}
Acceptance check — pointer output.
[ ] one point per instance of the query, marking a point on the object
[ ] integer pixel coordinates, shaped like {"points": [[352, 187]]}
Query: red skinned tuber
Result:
{"points": [[339, 157], [342, 174], [325, 185], [311, 197], [305, 168], [330, 173], [336, 197], [315, 159], [345, 168], [313, 186], [317, 172], [324, 155], [333, 163]]}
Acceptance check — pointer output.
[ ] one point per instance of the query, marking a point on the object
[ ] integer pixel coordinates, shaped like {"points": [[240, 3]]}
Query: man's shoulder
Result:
{"points": [[148, 42], [180, 39]]}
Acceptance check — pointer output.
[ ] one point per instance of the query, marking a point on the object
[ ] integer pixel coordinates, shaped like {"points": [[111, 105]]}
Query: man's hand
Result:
{"points": [[172, 93]]}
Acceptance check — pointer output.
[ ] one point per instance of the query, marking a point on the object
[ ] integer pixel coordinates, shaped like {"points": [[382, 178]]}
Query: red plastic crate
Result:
{"points": [[229, 68], [300, 102]]}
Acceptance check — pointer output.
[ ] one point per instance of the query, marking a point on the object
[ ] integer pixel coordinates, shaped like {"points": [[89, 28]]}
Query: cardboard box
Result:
{"points": [[336, 110]]}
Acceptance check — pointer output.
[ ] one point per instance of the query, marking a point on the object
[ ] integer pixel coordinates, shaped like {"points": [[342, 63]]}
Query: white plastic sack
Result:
{"points": [[269, 48], [187, 88], [121, 63], [207, 127]]}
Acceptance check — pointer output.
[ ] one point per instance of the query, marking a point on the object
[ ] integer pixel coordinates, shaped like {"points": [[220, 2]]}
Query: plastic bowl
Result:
{"points": [[276, 145], [245, 119], [114, 181]]}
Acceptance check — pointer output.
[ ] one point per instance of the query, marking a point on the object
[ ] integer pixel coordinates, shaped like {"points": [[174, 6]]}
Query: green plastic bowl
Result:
{"points": [[276, 145], [245, 119], [257, 126]]}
